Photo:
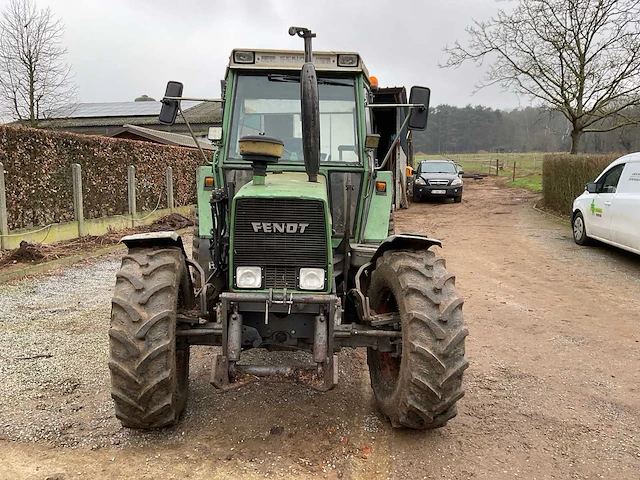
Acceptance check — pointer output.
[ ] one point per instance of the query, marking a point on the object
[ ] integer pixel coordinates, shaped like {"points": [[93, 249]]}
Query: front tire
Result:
{"points": [[579, 230], [149, 369], [420, 388], [457, 199]]}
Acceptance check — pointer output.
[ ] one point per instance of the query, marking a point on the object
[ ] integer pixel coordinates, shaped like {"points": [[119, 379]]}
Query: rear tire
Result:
{"points": [[580, 230], [420, 389], [149, 370]]}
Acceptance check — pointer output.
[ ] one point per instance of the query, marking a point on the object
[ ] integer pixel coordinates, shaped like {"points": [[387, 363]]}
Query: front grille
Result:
{"points": [[439, 183], [280, 254]]}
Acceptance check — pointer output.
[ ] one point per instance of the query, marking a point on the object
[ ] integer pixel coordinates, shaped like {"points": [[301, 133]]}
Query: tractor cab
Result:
{"points": [[262, 96]]}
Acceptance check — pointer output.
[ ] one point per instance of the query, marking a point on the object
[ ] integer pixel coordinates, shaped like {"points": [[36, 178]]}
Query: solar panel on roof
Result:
{"points": [[118, 109]]}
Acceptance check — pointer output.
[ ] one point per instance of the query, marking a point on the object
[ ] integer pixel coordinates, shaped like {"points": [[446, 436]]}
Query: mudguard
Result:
{"points": [[154, 239], [393, 242], [404, 242], [171, 239]]}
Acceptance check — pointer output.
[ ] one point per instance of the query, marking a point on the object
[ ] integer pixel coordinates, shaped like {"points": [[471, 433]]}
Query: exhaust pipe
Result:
{"points": [[310, 106]]}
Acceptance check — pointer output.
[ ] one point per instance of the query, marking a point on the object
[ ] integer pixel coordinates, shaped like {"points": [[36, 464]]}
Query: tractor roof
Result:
{"points": [[254, 59]]}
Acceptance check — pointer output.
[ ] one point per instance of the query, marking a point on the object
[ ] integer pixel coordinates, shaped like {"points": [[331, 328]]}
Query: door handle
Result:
{"points": [[608, 204]]}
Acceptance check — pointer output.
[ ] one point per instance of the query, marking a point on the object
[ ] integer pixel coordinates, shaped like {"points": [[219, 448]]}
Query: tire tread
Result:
{"points": [[142, 358], [430, 380]]}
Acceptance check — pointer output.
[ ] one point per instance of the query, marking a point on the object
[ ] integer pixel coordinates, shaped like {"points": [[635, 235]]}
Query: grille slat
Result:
{"points": [[439, 182], [280, 254]]}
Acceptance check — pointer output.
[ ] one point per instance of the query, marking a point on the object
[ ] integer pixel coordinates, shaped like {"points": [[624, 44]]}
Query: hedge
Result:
{"points": [[564, 177], [39, 185]]}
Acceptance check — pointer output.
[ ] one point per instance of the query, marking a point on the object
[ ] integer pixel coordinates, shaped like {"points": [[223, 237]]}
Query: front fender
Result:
{"points": [[404, 242], [171, 239], [154, 239], [394, 242]]}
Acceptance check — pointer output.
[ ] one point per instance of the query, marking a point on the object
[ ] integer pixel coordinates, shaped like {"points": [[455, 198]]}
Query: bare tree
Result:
{"points": [[577, 57], [35, 82]]}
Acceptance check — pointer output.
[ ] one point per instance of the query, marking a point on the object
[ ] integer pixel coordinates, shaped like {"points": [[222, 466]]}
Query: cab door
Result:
{"points": [[598, 219], [625, 208]]}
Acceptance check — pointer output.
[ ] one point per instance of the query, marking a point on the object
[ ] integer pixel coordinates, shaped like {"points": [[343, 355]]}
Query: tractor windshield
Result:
{"points": [[270, 104]]}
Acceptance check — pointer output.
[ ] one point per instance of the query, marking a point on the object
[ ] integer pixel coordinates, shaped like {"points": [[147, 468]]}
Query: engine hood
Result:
{"points": [[288, 184]]}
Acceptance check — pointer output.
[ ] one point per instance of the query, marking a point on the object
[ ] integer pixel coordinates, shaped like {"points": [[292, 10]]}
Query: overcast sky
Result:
{"points": [[120, 49]]}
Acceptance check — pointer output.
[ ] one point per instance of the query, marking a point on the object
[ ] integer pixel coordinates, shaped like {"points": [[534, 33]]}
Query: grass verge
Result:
{"points": [[532, 183]]}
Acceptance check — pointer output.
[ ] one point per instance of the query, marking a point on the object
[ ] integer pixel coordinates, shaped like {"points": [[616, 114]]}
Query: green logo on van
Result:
{"points": [[595, 210]]}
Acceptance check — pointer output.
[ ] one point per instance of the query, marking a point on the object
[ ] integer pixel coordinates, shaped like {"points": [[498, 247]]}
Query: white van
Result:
{"points": [[609, 209]]}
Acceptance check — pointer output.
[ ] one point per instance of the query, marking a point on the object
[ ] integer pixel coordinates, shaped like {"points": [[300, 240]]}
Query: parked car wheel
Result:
{"points": [[457, 199], [579, 230]]}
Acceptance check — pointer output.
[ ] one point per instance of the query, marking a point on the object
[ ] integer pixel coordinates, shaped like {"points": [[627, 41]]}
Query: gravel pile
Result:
{"points": [[53, 351]]}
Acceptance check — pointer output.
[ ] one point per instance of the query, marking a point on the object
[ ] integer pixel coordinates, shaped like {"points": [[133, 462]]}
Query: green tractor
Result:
{"points": [[292, 252]]}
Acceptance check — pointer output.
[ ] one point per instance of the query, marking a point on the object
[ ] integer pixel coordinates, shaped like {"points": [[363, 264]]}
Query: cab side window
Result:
{"points": [[609, 181]]}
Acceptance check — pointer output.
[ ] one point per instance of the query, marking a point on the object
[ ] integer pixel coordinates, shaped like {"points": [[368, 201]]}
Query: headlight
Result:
{"points": [[248, 277], [244, 57], [456, 181], [420, 181], [311, 279], [348, 60]]}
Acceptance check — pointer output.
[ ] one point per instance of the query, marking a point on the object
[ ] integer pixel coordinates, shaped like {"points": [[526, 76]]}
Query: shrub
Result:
{"points": [[564, 177], [39, 186]]}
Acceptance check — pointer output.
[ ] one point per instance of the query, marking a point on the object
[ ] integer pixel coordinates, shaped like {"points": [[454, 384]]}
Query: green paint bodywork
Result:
{"points": [[377, 227], [204, 207], [286, 185]]}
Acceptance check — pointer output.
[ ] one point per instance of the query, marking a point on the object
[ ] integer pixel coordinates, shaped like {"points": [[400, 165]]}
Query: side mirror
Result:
{"points": [[460, 172], [169, 109], [592, 187], [418, 116]]}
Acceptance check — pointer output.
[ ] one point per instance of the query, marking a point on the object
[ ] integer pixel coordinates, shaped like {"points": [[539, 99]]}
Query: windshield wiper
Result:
{"points": [[275, 77], [283, 78]]}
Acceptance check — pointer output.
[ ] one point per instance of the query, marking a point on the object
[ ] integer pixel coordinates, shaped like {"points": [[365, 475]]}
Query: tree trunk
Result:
{"points": [[33, 121], [575, 140]]}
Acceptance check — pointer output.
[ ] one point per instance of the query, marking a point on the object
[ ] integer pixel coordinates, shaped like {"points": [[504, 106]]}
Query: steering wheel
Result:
{"points": [[293, 145]]}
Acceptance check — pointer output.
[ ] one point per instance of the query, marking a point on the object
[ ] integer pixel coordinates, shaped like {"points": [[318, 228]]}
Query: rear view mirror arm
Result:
{"points": [[396, 105], [190, 99], [206, 161]]}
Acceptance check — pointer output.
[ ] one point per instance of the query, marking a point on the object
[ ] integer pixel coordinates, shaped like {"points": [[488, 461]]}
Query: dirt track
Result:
{"points": [[552, 390]]}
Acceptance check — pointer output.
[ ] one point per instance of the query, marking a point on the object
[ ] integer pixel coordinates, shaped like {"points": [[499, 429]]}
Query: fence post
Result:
{"points": [[4, 222], [497, 166], [131, 190], [78, 208], [514, 170], [170, 188]]}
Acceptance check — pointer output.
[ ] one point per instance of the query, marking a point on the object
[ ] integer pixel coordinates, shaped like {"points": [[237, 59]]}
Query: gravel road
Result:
{"points": [[552, 390]]}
